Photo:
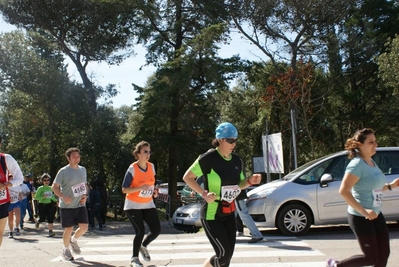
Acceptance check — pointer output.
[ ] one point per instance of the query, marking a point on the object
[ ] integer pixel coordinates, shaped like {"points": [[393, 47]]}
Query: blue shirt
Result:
{"points": [[370, 178]]}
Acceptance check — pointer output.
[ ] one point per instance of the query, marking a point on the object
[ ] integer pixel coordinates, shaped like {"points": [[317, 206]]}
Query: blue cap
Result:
{"points": [[226, 130]]}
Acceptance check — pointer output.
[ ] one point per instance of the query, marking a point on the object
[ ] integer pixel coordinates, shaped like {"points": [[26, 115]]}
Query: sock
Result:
{"points": [[73, 239]]}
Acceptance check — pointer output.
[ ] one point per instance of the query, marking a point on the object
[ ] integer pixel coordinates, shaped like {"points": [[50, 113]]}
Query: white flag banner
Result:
{"points": [[274, 153]]}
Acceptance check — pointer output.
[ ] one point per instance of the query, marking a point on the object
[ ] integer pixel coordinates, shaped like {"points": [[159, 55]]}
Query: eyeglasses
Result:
{"points": [[147, 152], [231, 140]]}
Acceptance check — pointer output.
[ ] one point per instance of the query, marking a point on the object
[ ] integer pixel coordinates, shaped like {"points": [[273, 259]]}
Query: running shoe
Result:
{"points": [[240, 234], [255, 239], [11, 235], [331, 263], [51, 233], [144, 253], [135, 262], [75, 247], [66, 255], [17, 232], [37, 224]]}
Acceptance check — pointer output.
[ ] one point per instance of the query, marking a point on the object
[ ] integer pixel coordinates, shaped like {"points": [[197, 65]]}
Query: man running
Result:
{"points": [[70, 186]]}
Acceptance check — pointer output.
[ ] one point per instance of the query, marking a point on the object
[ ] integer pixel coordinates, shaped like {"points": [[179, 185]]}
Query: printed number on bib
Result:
{"points": [[230, 192], [48, 194], [147, 193], [378, 196], [79, 189], [14, 197], [3, 194]]}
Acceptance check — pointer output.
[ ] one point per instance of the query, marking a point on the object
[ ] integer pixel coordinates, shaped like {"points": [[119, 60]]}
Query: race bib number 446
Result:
{"points": [[79, 189], [230, 192]]}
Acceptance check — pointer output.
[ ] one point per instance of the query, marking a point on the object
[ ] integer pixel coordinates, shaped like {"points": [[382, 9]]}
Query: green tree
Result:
{"points": [[388, 63], [83, 30], [178, 113], [360, 97]]}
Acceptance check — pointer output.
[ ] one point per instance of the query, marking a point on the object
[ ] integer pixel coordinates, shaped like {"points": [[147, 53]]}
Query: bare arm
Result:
{"points": [[129, 190], [254, 179], [57, 191], [189, 177]]}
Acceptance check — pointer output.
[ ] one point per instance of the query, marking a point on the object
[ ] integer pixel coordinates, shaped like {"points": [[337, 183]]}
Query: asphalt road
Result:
{"points": [[113, 247]]}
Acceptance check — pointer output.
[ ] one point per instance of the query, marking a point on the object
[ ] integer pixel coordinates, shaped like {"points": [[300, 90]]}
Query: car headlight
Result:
{"points": [[261, 194], [194, 214]]}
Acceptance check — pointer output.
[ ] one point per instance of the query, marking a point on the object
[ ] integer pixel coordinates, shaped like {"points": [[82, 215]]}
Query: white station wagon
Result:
{"points": [[309, 194]]}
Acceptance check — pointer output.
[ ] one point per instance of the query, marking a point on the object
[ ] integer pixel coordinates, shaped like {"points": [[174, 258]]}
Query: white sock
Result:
{"points": [[73, 239]]}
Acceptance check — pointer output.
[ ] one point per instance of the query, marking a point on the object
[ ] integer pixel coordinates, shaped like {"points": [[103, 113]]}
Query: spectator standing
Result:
{"points": [[47, 204], [7, 165], [95, 206], [239, 225], [102, 188], [25, 192], [246, 218], [139, 185], [362, 188], [29, 184], [70, 186]]}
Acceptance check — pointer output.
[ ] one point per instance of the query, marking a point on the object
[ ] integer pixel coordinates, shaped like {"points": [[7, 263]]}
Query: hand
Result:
{"points": [[83, 199], [67, 200], [210, 197], [370, 215], [4, 185], [395, 183], [155, 194], [145, 187], [255, 178]]}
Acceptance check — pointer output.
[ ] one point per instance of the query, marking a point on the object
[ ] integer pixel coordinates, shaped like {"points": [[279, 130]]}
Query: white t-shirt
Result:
{"points": [[24, 190]]}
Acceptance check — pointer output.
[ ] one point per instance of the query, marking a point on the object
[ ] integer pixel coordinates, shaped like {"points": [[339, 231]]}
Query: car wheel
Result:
{"points": [[293, 219], [192, 231]]}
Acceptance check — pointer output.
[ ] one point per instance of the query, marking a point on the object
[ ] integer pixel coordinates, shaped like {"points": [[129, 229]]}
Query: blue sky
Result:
{"points": [[129, 72]]}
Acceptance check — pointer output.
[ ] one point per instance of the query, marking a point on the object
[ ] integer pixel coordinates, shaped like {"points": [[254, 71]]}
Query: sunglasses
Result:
{"points": [[46, 180], [147, 152], [231, 140]]}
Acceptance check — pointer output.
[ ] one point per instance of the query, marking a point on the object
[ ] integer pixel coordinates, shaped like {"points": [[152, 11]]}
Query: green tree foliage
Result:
{"points": [[84, 30], [360, 98], [37, 95], [388, 63], [320, 59], [286, 30]]}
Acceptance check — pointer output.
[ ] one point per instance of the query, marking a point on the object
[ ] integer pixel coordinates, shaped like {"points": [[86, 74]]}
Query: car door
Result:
{"points": [[388, 162], [331, 205]]}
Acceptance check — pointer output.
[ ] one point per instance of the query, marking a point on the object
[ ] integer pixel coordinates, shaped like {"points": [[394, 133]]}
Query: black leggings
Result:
{"points": [[373, 238], [137, 218], [47, 211], [222, 235]]}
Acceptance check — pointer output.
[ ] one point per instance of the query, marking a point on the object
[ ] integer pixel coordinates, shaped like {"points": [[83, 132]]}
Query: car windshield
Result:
{"points": [[300, 169]]}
